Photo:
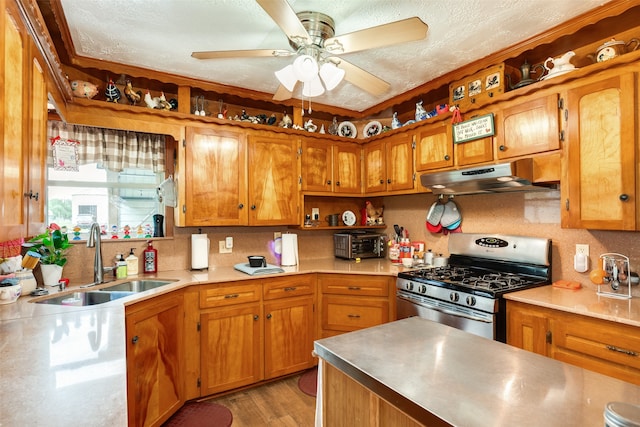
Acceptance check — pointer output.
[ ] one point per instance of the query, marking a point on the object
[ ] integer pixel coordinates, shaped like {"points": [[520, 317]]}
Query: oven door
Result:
{"points": [[469, 320]]}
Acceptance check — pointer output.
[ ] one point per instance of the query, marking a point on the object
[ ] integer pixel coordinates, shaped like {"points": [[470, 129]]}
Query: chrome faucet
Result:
{"points": [[94, 240]]}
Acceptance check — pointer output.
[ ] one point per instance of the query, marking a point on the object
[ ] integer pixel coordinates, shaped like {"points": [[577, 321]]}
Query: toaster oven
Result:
{"points": [[360, 245]]}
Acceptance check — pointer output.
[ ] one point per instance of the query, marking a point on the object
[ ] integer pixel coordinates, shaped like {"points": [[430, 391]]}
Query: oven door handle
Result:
{"points": [[444, 310]]}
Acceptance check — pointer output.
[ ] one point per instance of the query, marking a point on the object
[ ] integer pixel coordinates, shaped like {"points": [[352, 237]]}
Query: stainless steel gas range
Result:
{"points": [[468, 292]]}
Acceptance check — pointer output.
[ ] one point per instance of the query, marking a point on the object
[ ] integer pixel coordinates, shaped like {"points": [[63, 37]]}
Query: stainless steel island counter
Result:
{"points": [[442, 376]]}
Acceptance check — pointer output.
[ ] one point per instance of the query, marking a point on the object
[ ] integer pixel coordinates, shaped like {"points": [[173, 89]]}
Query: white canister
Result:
{"points": [[440, 261], [27, 281]]}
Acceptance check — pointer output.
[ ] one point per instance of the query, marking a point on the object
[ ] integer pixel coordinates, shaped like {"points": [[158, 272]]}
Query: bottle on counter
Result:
{"points": [[132, 263], [121, 267], [150, 259], [428, 257]]}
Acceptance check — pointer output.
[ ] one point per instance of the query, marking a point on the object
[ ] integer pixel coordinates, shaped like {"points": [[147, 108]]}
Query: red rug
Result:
{"points": [[201, 414], [308, 382]]}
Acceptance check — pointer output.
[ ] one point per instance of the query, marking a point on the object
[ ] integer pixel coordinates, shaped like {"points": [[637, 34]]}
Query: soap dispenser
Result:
{"points": [[132, 263]]}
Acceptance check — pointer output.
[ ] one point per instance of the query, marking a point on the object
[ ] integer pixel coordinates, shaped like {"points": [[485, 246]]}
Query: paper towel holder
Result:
{"points": [[202, 263]]}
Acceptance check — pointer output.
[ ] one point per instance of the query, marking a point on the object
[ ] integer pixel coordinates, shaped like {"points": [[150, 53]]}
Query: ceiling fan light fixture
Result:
{"points": [[287, 77], [305, 68], [313, 88], [331, 75]]}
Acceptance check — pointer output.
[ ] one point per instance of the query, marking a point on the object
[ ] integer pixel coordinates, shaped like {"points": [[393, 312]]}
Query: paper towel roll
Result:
{"points": [[289, 249], [199, 251]]}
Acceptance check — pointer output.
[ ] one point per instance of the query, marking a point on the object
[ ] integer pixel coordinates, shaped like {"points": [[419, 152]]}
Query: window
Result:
{"points": [[110, 184]]}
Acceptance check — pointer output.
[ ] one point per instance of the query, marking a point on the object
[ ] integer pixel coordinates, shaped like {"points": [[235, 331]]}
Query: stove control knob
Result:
{"points": [[409, 286], [422, 289], [471, 301], [454, 296]]}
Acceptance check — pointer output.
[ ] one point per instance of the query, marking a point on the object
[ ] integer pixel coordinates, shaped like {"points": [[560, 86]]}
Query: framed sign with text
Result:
{"points": [[476, 128]]}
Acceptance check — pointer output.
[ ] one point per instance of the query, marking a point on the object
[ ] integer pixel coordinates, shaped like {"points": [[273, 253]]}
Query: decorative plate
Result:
{"points": [[347, 129], [349, 218], [372, 129]]}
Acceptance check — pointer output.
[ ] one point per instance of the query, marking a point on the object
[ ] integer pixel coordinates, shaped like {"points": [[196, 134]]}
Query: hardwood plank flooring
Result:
{"points": [[276, 404]]}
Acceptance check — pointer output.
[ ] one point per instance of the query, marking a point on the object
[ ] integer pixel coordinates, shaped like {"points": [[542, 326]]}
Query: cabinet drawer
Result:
{"points": [[346, 284], [349, 314], [288, 287], [611, 342], [228, 294]]}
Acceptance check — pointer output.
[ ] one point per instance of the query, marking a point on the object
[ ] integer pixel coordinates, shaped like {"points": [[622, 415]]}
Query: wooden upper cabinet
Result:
{"points": [[528, 127], [374, 167], [347, 168], [399, 162], [434, 147], [273, 179], [478, 150], [600, 159], [215, 177], [317, 171], [37, 149]]}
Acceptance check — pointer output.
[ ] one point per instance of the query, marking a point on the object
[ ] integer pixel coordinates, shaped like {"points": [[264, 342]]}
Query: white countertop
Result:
{"points": [[471, 381], [65, 365]]}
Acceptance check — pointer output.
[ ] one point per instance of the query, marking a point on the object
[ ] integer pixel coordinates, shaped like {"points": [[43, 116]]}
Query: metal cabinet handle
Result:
{"points": [[240, 206], [269, 316], [623, 197], [231, 296], [253, 207], [388, 180], [256, 317], [382, 181], [446, 157], [32, 195], [290, 288], [354, 288], [502, 148], [621, 350], [329, 182], [134, 340], [353, 316], [338, 183]]}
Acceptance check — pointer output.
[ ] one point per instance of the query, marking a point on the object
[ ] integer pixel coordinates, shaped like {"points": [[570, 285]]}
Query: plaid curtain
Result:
{"points": [[110, 148]]}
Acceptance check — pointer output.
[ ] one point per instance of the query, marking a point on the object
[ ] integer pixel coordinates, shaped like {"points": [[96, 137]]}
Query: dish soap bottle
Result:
{"points": [[121, 267], [132, 263], [150, 259]]}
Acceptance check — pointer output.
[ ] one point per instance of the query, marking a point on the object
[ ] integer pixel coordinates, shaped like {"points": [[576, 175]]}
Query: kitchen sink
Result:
{"points": [[137, 285], [85, 298]]}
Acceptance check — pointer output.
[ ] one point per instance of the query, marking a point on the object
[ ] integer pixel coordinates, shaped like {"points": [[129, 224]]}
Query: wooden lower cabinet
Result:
{"points": [[350, 302], [609, 348], [241, 333], [346, 402], [155, 349]]}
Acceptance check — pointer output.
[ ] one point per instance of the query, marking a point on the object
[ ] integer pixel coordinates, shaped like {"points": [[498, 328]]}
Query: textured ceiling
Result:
{"points": [[161, 34]]}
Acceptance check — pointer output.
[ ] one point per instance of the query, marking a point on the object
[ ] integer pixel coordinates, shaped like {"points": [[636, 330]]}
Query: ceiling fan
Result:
{"points": [[312, 38]]}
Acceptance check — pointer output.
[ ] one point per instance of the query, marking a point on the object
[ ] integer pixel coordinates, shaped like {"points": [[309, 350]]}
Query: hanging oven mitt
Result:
{"points": [[434, 216]]}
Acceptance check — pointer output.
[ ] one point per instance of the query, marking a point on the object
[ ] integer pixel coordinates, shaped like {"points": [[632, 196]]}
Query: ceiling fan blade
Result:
{"points": [[406, 30], [361, 78], [282, 94], [283, 15], [250, 53]]}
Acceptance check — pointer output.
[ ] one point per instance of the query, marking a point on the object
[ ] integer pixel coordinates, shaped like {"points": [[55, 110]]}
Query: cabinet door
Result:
{"points": [[316, 166], [37, 148], [215, 177], [599, 178], [230, 348], [273, 180], [527, 328], [399, 162], [154, 359], [528, 127], [347, 169], [12, 143], [374, 167], [434, 147], [288, 336]]}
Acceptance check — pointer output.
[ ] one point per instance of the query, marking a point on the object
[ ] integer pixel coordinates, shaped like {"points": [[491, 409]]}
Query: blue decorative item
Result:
{"points": [[395, 123], [421, 113]]}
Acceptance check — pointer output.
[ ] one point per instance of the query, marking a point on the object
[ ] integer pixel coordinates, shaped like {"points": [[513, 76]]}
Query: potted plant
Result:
{"points": [[52, 246]]}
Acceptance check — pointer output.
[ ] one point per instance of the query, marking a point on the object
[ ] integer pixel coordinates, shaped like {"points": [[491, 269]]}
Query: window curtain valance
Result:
{"points": [[111, 149]]}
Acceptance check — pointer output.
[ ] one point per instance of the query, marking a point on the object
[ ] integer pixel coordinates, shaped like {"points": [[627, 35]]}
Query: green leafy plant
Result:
{"points": [[52, 245]]}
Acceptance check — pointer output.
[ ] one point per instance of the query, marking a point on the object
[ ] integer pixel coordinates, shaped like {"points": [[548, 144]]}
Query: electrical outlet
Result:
{"points": [[223, 247], [277, 235], [582, 249]]}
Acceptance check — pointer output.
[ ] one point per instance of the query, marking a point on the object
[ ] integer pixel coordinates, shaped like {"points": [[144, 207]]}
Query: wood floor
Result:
{"points": [[276, 404]]}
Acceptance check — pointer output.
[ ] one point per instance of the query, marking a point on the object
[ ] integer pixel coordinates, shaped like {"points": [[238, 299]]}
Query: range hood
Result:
{"points": [[500, 178]]}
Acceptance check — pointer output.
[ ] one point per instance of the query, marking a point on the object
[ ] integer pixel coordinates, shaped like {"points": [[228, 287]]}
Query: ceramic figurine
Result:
{"points": [[309, 126], [112, 93], [395, 123], [151, 103], [133, 96], [286, 121], [82, 89], [333, 129], [421, 113], [322, 129], [271, 120], [559, 65]]}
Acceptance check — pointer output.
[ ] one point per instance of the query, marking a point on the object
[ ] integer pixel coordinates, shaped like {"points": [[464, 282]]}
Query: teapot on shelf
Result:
{"points": [[559, 65], [612, 49], [525, 75]]}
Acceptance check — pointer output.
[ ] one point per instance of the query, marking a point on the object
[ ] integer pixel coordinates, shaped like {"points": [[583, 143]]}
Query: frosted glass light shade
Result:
{"points": [[305, 68], [313, 88], [331, 75], [287, 77]]}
